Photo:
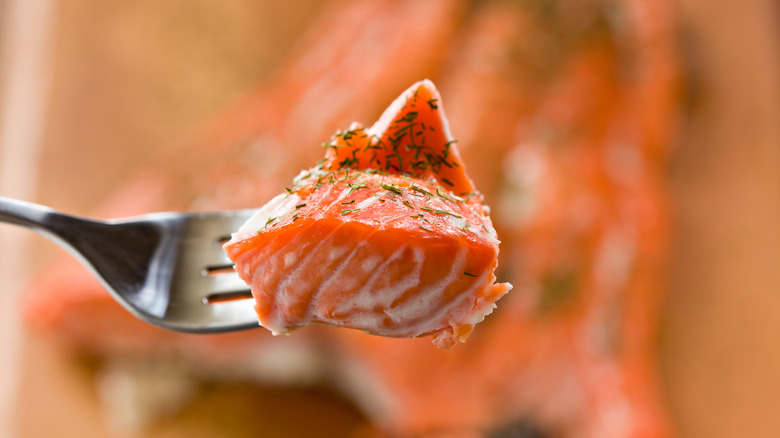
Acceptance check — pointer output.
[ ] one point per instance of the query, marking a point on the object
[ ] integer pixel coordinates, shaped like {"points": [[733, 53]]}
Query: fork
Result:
{"points": [[167, 268]]}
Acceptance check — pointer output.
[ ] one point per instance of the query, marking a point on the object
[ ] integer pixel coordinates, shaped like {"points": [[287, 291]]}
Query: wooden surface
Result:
{"points": [[127, 80], [720, 344]]}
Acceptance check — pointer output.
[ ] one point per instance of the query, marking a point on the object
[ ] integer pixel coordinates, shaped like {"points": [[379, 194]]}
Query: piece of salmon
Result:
{"points": [[387, 235]]}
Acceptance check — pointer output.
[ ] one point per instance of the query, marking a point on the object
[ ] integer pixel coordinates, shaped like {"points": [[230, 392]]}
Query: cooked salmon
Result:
{"points": [[386, 235]]}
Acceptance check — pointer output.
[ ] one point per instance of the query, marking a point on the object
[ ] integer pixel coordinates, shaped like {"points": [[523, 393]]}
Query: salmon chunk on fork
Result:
{"points": [[386, 235]]}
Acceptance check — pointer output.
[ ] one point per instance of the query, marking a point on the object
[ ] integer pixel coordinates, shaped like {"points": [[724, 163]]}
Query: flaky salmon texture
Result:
{"points": [[387, 234]]}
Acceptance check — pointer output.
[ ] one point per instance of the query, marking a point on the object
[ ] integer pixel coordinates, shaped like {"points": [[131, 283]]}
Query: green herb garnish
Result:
{"points": [[392, 188], [421, 190]]}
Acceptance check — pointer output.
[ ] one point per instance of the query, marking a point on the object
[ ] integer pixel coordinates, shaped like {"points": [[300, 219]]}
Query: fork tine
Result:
{"points": [[226, 314], [225, 283], [207, 295]]}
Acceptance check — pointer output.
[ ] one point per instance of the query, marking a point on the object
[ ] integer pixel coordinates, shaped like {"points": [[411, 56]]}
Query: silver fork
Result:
{"points": [[168, 269]]}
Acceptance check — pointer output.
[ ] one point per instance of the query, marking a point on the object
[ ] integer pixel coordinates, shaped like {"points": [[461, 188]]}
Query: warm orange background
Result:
{"points": [[126, 79]]}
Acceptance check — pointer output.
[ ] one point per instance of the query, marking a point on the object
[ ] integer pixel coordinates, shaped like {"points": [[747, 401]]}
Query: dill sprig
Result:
{"points": [[353, 187], [443, 195], [439, 211], [391, 188], [421, 190]]}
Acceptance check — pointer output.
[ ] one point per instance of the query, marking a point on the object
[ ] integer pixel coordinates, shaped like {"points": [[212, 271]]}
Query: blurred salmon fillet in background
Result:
{"points": [[564, 114]]}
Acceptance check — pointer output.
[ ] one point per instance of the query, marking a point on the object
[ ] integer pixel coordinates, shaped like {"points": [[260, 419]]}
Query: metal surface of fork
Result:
{"points": [[168, 269]]}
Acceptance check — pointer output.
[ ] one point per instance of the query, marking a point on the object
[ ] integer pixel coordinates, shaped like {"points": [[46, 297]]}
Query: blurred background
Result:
{"points": [[118, 108]]}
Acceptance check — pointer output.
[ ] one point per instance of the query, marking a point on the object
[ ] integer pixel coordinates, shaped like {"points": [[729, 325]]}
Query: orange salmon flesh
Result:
{"points": [[385, 235]]}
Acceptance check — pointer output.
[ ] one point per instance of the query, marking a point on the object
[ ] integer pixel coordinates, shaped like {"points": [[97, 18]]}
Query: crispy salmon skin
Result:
{"points": [[386, 234]]}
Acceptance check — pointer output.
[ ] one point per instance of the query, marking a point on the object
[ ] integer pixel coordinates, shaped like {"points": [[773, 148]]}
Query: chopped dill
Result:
{"points": [[443, 195], [421, 190], [469, 195], [392, 188], [438, 211], [353, 187], [408, 118]]}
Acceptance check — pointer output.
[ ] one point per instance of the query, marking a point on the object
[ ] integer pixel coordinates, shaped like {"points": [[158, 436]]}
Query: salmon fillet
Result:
{"points": [[385, 235]]}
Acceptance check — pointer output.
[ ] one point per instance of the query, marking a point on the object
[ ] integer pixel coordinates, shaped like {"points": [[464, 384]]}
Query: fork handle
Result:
{"points": [[87, 239], [111, 249], [23, 213], [48, 222]]}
